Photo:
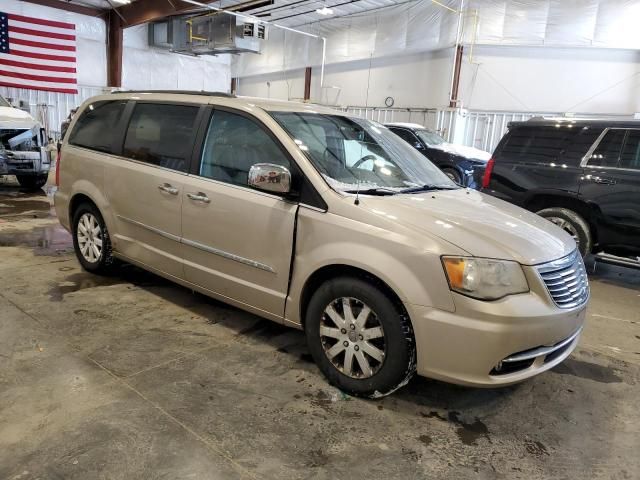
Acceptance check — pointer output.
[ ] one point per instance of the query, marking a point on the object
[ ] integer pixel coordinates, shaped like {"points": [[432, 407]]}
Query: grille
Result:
{"points": [[566, 280]]}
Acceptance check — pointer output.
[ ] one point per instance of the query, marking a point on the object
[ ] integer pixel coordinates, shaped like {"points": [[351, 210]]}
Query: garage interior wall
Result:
{"points": [[552, 55]]}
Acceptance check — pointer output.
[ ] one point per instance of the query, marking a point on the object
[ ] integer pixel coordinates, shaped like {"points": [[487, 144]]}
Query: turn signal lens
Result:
{"points": [[484, 278]]}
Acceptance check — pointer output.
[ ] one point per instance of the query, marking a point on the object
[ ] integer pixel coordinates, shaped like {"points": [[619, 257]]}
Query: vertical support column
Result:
{"points": [[307, 83], [114, 50], [455, 84]]}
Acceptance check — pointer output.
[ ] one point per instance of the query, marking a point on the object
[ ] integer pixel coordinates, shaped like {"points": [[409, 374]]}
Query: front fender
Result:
{"points": [[413, 273]]}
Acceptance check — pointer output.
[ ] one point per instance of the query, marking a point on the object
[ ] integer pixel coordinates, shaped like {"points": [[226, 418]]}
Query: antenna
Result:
{"points": [[357, 200]]}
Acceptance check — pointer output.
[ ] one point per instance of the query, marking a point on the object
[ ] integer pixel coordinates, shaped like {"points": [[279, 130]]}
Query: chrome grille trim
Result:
{"points": [[566, 280]]}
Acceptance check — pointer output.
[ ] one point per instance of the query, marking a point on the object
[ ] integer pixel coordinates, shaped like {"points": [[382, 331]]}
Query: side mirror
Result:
{"points": [[418, 146], [269, 177]]}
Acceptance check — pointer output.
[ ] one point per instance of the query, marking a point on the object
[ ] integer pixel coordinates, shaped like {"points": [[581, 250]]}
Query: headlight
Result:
{"points": [[484, 278]]}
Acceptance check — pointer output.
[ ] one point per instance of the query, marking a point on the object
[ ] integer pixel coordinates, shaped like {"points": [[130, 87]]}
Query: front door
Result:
{"points": [[145, 188], [237, 241], [611, 181]]}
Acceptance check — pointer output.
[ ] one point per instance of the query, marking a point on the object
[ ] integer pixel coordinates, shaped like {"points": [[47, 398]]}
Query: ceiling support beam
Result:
{"points": [[68, 7], [455, 84], [114, 50], [307, 84]]}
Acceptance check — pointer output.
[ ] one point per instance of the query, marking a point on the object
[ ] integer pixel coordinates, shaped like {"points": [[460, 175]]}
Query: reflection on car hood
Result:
{"points": [[467, 152], [482, 225], [15, 118]]}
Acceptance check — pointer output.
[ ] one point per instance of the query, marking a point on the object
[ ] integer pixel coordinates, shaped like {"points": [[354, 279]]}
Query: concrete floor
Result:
{"points": [[133, 377]]}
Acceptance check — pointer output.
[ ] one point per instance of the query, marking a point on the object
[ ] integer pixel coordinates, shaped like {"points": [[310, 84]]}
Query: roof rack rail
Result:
{"points": [[180, 92]]}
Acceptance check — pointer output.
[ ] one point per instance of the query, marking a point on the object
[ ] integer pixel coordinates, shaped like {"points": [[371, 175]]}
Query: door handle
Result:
{"points": [[167, 187], [604, 181], [199, 197]]}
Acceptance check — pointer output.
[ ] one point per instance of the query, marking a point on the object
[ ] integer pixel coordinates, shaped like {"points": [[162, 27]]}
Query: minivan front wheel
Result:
{"points": [[91, 239], [573, 224], [359, 339]]}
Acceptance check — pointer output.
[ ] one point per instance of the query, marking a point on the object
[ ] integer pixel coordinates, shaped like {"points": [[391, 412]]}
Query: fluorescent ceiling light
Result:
{"points": [[324, 11], [122, 2]]}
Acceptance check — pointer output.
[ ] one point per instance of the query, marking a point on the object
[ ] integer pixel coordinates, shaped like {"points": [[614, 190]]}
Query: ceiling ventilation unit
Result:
{"points": [[208, 34]]}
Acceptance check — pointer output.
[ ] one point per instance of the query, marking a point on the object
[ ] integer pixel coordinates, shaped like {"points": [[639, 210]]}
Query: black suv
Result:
{"points": [[583, 175]]}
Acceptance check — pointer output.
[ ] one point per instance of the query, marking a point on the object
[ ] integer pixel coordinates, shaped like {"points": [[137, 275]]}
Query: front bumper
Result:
{"points": [[487, 344], [25, 162]]}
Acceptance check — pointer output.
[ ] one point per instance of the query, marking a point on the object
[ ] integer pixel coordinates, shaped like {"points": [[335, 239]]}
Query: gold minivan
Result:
{"points": [[327, 223]]}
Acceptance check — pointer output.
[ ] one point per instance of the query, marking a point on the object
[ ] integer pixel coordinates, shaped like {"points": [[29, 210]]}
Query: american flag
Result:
{"points": [[37, 54]]}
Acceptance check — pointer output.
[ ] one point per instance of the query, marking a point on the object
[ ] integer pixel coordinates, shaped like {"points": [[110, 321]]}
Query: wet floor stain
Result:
{"points": [[425, 439], [18, 207], [434, 415], [469, 433], [79, 281], [85, 280], [535, 448], [50, 240], [590, 371]]}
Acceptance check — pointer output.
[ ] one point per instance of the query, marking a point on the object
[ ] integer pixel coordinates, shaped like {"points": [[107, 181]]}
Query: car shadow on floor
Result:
{"points": [[431, 394]]}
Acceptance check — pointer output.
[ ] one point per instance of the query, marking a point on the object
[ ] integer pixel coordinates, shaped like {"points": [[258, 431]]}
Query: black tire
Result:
{"points": [[32, 182], [399, 361], [103, 265], [453, 174], [573, 224]]}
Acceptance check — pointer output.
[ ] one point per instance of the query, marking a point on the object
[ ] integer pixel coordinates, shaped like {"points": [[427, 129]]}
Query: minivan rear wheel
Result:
{"points": [[91, 240], [359, 338], [573, 224]]}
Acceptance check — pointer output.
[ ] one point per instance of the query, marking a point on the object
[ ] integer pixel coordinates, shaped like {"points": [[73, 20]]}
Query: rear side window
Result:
{"points": [[630, 157], [161, 135], [97, 126], [607, 153], [537, 144]]}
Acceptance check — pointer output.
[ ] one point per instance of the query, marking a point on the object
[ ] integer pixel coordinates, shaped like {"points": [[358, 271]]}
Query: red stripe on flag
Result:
{"points": [[39, 21], [45, 89], [39, 78], [50, 46], [33, 66], [42, 56], [41, 33]]}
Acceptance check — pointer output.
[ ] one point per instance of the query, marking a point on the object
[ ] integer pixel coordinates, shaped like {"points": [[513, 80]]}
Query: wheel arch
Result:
{"points": [[328, 272]]}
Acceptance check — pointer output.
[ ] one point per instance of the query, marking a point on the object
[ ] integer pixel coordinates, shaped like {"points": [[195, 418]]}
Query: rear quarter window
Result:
{"points": [[96, 127], [564, 144]]}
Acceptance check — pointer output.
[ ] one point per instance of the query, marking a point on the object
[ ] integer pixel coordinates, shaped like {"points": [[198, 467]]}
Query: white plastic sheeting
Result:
{"points": [[415, 26]]}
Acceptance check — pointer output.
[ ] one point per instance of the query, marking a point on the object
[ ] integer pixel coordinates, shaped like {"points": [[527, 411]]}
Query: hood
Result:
{"points": [[471, 153], [482, 225], [15, 118]]}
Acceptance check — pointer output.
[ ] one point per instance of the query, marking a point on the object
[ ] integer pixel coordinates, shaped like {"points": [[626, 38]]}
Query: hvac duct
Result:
{"points": [[208, 35]]}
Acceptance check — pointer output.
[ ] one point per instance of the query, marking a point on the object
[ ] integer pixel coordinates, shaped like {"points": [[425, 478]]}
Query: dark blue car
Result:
{"points": [[463, 165]]}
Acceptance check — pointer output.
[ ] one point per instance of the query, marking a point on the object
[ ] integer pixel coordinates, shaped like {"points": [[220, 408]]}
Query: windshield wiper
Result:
{"points": [[374, 191], [427, 188]]}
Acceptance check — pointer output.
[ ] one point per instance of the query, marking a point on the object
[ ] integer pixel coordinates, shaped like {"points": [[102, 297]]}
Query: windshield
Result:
{"points": [[3, 102], [430, 138], [355, 154]]}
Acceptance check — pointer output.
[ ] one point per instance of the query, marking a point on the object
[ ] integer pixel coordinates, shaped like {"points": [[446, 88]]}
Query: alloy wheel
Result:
{"points": [[352, 337], [89, 236]]}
